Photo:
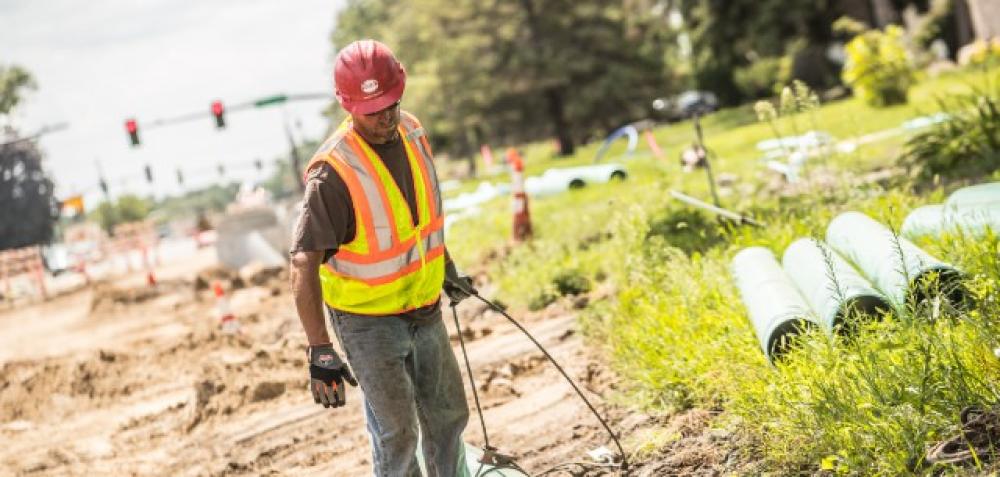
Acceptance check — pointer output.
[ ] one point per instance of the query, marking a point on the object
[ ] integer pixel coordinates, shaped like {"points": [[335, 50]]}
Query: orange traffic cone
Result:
{"points": [[81, 268], [227, 320], [522, 218], [150, 275], [657, 152]]}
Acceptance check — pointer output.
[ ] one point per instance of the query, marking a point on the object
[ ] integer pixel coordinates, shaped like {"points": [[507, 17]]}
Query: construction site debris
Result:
{"points": [[106, 295], [255, 234], [208, 276], [258, 274]]}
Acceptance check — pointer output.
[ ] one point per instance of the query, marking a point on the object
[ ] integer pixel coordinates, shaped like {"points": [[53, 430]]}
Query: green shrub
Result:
{"points": [[966, 144], [985, 53], [878, 67], [758, 79], [543, 299], [571, 282]]}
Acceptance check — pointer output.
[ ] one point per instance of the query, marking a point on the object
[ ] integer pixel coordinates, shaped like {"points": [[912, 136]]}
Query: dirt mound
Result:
{"points": [[31, 389], [238, 378], [205, 277], [256, 274], [107, 297]]}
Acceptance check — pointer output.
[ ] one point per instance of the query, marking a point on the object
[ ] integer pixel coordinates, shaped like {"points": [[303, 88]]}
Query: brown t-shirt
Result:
{"points": [[328, 220]]}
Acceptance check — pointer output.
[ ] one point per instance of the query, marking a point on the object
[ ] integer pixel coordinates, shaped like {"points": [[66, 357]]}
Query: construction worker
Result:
{"points": [[370, 244]]}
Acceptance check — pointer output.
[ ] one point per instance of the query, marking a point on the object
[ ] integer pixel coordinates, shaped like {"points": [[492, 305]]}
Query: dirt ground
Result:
{"points": [[121, 379]]}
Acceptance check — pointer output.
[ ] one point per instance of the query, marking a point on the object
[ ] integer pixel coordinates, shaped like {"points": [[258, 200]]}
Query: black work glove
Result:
{"points": [[457, 285], [327, 374]]}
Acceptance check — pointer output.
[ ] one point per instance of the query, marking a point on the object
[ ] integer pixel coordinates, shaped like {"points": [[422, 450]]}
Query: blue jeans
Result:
{"points": [[409, 377]]}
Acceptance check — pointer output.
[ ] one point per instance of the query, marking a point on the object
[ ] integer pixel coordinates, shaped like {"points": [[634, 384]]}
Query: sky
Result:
{"points": [[98, 63]]}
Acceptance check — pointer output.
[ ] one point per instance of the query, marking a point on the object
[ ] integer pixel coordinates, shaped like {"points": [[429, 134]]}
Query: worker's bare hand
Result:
{"points": [[327, 374]]}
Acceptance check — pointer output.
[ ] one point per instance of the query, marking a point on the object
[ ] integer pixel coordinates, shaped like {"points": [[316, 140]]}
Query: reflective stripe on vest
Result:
{"points": [[392, 264], [378, 272], [380, 228]]}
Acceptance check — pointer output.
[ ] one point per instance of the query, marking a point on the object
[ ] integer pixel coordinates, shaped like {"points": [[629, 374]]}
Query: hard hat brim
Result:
{"points": [[376, 104]]}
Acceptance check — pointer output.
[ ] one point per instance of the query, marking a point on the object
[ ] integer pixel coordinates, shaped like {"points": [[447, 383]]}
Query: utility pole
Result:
{"points": [[102, 181], [294, 157]]}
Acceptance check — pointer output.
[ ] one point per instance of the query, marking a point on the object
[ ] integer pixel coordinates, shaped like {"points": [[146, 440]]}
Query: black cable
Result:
{"points": [[479, 409], [472, 380], [621, 451]]}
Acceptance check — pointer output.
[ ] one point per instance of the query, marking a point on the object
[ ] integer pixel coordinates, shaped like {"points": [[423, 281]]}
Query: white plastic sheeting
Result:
{"points": [[552, 181]]}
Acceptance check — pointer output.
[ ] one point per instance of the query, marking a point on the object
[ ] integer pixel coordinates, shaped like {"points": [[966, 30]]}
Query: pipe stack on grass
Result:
{"points": [[970, 210], [832, 287], [979, 195], [924, 221], [777, 310], [901, 270]]}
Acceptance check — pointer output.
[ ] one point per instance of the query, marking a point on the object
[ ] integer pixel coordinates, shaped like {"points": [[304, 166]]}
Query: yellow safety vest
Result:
{"points": [[392, 265]]}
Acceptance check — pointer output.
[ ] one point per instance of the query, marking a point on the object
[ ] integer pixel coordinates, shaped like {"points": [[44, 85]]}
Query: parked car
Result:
{"points": [[685, 105]]}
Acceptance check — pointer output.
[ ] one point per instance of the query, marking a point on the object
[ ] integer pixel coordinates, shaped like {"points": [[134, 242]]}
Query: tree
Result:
{"points": [[128, 208], [13, 81], [510, 71], [729, 35], [30, 209]]}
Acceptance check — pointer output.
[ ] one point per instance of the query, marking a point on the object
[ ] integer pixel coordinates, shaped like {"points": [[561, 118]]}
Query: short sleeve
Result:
{"points": [[327, 216]]}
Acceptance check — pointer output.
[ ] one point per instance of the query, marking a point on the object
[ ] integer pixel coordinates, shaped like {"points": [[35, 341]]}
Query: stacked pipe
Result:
{"points": [[901, 270], [777, 310], [818, 286], [971, 210], [832, 287]]}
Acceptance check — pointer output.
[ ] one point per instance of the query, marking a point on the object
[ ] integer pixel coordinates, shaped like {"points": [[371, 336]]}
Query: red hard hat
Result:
{"points": [[368, 77]]}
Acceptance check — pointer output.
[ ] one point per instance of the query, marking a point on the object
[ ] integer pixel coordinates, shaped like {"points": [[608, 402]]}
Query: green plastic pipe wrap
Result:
{"points": [[832, 287], [974, 196], [934, 220], [897, 267], [923, 221], [777, 310], [474, 468], [970, 210]]}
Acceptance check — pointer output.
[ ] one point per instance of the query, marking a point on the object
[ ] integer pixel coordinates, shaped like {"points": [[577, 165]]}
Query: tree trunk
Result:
{"points": [[553, 95], [557, 114]]}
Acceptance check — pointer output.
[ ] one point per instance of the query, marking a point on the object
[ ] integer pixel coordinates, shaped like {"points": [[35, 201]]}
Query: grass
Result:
{"points": [[678, 333]]}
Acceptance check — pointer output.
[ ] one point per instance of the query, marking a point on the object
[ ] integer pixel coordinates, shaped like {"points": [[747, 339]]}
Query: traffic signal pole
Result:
{"points": [[37, 134], [218, 111]]}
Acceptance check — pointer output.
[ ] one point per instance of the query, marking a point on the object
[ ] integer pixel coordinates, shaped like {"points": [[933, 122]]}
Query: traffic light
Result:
{"points": [[222, 169], [257, 164], [219, 111], [149, 174], [133, 131], [180, 177]]}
